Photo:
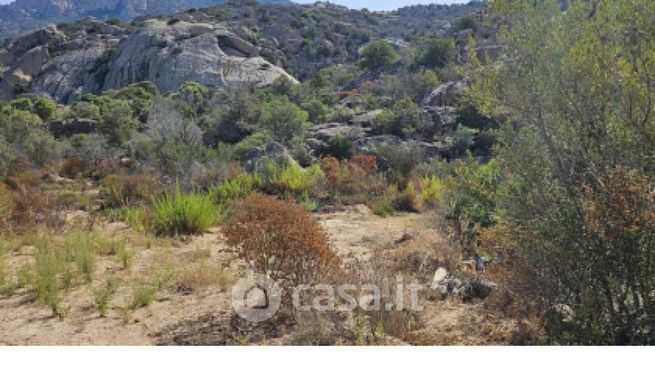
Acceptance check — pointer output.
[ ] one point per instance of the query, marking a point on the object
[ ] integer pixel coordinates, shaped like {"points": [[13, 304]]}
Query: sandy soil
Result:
{"points": [[360, 238]]}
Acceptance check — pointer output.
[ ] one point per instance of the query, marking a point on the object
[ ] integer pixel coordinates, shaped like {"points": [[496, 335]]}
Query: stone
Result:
{"points": [[445, 95], [271, 151], [94, 57], [70, 127]]}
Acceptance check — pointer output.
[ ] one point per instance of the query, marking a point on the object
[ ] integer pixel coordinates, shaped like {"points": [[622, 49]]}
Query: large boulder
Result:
{"points": [[328, 131], [445, 95], [374, 144], [93, 56], [70, 127], [169, 55], [272, 151]]}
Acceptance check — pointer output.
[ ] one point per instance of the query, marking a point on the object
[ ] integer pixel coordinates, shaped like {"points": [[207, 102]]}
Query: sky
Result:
{"points": [[370, 4]]}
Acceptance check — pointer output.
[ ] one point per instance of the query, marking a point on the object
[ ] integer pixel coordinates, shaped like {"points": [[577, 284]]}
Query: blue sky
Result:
{"points": [[370, 4]]}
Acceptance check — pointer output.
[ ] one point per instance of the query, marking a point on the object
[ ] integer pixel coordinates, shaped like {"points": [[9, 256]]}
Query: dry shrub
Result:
{"points": [[125, 190], [26, 204], [201, 275], [281, 239], [75, 168], [6, 206], [352, 177]]}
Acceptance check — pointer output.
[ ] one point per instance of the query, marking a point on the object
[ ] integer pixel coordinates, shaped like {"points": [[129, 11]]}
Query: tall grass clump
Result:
{"points": [[140, 219], [185, 213], [102, 296]]}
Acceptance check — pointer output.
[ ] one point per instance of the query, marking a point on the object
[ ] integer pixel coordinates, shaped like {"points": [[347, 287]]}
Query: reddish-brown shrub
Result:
{"points": [[282, 240], [120, 190], [368, 163], [25, 204], [74, 168], [350, 178]]}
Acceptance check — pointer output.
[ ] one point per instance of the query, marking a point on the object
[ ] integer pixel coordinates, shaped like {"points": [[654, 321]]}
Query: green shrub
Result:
{"points": [[234, 189], [283, 119], [143, 295], [48, 277], [282, 179], [102, 296], [317, 110], [436, 52], [185, 213], [140, 219], [472, 192], [377, 54], [402, 120], [433, 189], [383, 205], [124, 257], [339, 147]]}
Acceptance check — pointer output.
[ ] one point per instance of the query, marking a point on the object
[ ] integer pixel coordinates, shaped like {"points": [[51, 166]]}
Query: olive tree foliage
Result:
{"points": [[578, 159]]}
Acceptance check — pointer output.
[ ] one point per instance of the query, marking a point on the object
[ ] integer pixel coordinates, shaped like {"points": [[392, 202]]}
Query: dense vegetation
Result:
{"points": [[545, 171]]}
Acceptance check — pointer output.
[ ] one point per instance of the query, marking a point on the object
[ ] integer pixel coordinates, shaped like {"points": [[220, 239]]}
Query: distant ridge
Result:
{"points": [[25, 15]]}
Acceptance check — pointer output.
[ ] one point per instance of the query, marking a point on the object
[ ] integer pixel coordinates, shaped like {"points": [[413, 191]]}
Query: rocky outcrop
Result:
{"points": [[271, 151], [22, 15], [70, 127], [446, 284], [169, 55], [445, 95], [373, 145], [93, 56]]}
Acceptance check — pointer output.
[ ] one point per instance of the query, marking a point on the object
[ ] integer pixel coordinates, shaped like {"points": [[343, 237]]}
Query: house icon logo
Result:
{"points": [[257, 298]]}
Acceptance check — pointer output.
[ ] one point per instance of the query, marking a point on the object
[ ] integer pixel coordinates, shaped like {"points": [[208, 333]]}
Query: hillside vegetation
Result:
{"points": [[501, 156]]}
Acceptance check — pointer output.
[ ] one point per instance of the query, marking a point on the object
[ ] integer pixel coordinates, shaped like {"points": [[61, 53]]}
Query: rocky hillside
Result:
{"points": [[227, 46], [23, 15], [93, 56]]}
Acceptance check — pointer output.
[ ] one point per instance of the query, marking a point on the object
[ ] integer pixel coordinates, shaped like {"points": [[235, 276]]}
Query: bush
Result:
{"points": [[141, 219], [283, 119], [402, 120], [102, 296], [472, 192], [436, 52], [234, 189], [280, 239], [433, 189], [185, 213], [126, 190], [377, 54], [143, 295], [339, 147], [282, 179], [400, 162], [296, 180], [318, 112]]}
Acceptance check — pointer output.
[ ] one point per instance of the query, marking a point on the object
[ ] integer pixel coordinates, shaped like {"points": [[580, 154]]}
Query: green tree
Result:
{"points": [[377, 54], [283, 119], [578, 157], [435, 52]]}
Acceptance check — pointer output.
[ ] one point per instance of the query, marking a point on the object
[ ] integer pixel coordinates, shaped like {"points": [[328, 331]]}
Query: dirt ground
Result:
{"points": [[204, 315]]}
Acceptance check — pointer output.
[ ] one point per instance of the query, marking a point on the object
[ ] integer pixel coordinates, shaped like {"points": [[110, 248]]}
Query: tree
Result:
{"points": [[576, 207], [377, 54], [283, 119], [435, 52]]}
